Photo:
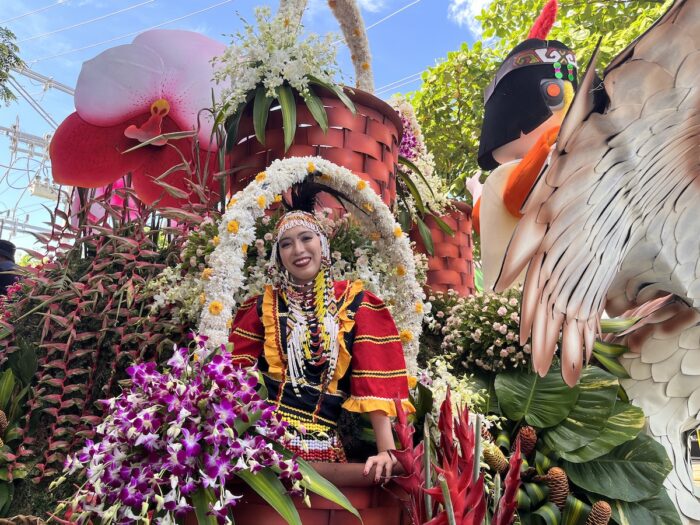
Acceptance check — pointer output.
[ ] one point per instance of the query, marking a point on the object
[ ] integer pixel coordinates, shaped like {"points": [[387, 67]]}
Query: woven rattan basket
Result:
{"points": [[452, 265], [367, 142]]}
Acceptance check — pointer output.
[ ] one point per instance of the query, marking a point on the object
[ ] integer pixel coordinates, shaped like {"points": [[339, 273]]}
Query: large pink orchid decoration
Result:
{"points": [[130, 94]]}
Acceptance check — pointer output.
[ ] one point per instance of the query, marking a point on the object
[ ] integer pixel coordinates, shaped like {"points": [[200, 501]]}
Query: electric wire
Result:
{"points": [[126, 35], [35, 11], [85, 22]]}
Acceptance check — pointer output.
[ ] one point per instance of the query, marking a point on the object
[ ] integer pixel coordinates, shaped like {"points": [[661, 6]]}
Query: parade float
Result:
{"points": [[120, 400]]}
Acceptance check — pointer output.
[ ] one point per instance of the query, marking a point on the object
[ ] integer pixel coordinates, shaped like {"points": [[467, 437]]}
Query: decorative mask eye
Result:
{"points": [[553, 93]]}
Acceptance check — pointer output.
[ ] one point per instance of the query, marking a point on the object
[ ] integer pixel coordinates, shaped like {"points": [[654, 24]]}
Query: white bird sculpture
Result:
{"points": [[613, 222]]}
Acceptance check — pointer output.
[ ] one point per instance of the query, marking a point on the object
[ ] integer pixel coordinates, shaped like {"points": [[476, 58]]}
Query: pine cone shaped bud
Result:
{"points": [[3, 422], [558, 484], [495, 459], [600, 513], [528, 440], [2, 443]]}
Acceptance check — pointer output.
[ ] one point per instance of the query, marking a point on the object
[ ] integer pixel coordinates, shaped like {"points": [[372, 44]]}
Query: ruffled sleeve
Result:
{"points": [[247, 334], [378, 369]]}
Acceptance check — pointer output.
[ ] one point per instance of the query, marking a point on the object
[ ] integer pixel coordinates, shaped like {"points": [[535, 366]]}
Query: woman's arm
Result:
{"points": [[384, 460]]}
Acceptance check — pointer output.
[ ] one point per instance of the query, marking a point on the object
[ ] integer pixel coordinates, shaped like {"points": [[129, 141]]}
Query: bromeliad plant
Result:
{"points": [[173, 441], [273, 64]]}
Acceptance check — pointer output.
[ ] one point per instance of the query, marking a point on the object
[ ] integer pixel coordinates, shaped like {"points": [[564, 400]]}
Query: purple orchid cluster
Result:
{"points": [[409, 142], [174, 434]]}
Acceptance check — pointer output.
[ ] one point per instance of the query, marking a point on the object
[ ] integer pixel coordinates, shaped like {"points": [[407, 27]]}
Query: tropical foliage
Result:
{"points": [[9, 58]]}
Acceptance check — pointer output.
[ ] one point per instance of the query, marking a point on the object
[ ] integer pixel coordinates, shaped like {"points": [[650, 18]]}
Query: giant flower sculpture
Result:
{"points": [[131, 94]]}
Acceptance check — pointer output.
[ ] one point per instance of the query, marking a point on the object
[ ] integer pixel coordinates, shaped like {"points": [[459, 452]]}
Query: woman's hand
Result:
{"points": [[383, 463]]}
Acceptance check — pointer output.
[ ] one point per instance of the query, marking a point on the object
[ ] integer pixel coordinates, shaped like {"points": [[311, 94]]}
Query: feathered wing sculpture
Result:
{"points": [[616, 216]]}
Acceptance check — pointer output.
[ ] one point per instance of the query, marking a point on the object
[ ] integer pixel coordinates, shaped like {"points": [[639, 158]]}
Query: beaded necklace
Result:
{"points": [[312, 324]]}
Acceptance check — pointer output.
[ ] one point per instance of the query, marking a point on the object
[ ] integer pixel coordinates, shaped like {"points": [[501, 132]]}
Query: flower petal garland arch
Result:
{"points": [[237, 233]]}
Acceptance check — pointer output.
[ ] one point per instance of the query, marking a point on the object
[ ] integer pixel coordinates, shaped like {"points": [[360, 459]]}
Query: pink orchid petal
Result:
{"points": [[187, 82], [119, 84]]}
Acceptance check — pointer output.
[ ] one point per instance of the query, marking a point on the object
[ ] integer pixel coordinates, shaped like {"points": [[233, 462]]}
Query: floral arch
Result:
{"points": [[237, 233]]}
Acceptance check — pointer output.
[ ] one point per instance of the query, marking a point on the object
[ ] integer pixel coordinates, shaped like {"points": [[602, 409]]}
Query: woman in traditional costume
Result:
{"points": [[321, 345]]}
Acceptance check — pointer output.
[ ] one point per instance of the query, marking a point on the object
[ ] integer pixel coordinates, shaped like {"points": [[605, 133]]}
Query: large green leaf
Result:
{"points": [[7, 385], [317, 109], [658, 510], [426, 235], [631, 472], [575, 511], [624, 424], [201, 499], [548, 514], [261, 110], [317, 484], [288, 105], [608, 355], [541, 401], [270, 488], [598, 391]]}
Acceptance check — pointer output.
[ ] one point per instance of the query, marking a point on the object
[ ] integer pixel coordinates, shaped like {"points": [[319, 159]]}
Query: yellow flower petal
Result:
{"points": [[202, 298], [244, 248], [361, 185], [310, 167], [412, 381], [260, 176], [398, 232], [215, 307], [406, 336], [232, 226], [400, 270], [368, 207], [215, 240], [419, 307], [278, 198], [231, 203], [262, 202], [207, 273], [229, 323]]}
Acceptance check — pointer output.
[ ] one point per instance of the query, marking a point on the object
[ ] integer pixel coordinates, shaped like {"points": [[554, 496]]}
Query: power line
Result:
{"points": [[397, 86], [35, 11], [129, 34], [387, 17], [85, 22], [391, 84]]}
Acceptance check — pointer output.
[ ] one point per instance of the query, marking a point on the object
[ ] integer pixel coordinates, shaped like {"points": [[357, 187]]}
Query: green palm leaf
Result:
{"points": [[270, 488], [317, 109], [285, 95], [261, 110]]}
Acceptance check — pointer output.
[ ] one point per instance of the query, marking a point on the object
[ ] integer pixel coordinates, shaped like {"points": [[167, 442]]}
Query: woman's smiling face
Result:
{"points": [[300, 253]]}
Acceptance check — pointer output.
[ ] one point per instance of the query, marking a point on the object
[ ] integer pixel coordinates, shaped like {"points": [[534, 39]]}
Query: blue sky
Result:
{"points": [[55, 37]]}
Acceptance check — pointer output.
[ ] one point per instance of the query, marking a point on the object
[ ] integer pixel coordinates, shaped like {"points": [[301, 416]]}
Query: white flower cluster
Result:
{"points": [[399, 286], [437, 200], [464, 392], [271, 56], [181, 292]]}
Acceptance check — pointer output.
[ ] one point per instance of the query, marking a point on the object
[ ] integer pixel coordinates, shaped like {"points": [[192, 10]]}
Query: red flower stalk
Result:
{"points": [[466, 494], [411, 460], [505, 513]]}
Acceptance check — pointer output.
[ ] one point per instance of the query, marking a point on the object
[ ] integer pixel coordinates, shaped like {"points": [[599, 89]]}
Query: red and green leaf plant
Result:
{"points": [[85, 315]]}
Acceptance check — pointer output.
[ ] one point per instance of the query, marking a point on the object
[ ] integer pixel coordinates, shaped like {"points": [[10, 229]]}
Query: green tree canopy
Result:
{"points": [[9, 58], [449, 105]]}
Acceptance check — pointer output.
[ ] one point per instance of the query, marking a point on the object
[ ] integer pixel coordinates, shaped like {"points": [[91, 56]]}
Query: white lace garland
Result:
{"points": [[237, 233]]}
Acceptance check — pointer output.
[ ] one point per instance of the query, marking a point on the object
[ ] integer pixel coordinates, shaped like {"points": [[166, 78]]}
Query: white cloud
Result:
{"points": [[372, 6], [464, 13]]}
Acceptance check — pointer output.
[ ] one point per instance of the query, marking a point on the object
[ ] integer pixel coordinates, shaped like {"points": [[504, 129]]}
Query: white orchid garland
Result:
{"points": [[237, 233]]}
